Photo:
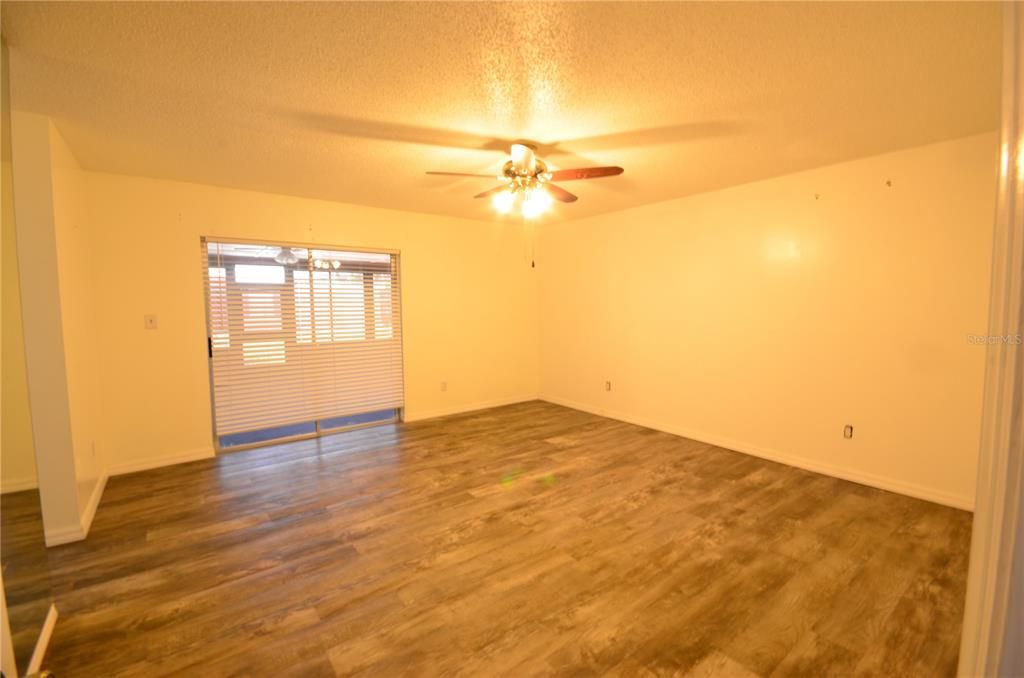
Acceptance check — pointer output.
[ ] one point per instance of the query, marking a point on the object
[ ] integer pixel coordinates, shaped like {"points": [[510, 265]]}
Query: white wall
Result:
{"points": [[78, 320], [17, 456], [757, 317], [45, 360], [51, 337], [763, 319], [468, 291]]}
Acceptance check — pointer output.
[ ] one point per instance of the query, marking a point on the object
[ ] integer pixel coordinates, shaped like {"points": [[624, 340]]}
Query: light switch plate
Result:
{"points": [[150, 322]]}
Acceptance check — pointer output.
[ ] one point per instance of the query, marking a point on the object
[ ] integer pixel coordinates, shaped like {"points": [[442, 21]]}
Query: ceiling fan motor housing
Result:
{"points": [[521, 180]]}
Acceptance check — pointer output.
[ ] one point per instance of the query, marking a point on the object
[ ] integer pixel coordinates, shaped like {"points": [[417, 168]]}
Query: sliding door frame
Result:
{"points": [[320, 431]]}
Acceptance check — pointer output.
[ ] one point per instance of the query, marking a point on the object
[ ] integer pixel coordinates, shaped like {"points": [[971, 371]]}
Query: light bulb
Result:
{"points": [[536, 203], [503, 201]]}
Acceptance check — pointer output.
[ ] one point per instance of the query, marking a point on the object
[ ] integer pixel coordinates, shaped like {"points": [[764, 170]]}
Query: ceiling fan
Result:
{"points": [[527, 181]]}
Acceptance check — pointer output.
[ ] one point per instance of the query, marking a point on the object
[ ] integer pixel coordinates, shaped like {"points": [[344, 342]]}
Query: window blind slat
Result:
{"points": [[298, 335]]}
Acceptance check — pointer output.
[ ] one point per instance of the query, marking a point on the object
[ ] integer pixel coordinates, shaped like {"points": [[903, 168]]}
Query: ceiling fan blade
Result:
{"points": [[492, 191], [585, 173], [559, 193], [462, 174]]}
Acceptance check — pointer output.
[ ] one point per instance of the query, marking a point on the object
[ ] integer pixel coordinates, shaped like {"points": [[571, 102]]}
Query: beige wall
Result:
{"points": [[45, 362], [75, 274], [757, 317], [17, 458], [469, 304], [50, 338], [762, 319], [17, 463]]}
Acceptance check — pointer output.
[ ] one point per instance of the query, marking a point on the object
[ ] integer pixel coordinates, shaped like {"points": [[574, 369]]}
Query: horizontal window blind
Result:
{"points": [[300, 334]]}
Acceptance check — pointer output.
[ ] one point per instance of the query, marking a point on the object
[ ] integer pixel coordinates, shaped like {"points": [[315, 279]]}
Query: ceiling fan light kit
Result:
{"points": [[286, 256], [527, 182], [503, 201]]}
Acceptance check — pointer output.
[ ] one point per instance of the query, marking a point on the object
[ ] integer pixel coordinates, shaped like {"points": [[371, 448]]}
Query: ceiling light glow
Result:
{"points": [[536, 202], [503, 201]]}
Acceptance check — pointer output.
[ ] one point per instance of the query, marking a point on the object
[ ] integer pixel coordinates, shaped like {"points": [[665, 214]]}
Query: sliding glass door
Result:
{"points": [[300, 339]]}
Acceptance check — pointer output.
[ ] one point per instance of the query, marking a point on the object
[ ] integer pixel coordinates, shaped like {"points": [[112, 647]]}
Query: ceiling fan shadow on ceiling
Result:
{"points": [[526, 179], [434, 136], [527, 182]]}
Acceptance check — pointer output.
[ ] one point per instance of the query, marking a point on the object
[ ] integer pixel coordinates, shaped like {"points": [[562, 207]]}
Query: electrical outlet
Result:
{"points": [[444, 386], [607, 385], [150, 321], [847, 431]]}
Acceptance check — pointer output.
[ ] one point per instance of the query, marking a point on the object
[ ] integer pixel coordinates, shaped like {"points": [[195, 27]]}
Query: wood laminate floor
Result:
{"points": [[25, 561], [523, 540]]}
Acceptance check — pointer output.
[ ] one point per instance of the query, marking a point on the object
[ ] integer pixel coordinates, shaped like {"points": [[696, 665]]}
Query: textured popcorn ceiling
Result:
{"points": [[353, 102]]}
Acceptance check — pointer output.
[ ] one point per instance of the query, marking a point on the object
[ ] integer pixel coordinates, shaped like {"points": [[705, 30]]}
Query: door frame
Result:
{"points": [[996, 570]]}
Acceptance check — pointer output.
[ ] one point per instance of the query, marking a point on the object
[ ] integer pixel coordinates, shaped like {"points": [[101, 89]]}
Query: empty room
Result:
{"points": [[512, 339]]}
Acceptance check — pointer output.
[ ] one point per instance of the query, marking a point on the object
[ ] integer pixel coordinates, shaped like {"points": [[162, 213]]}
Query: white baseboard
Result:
{"points": [[148, 463], [94, 502], [9, 485], [43, 642], [844, 473], [462, 409], [55, 536], [70, 533]]}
